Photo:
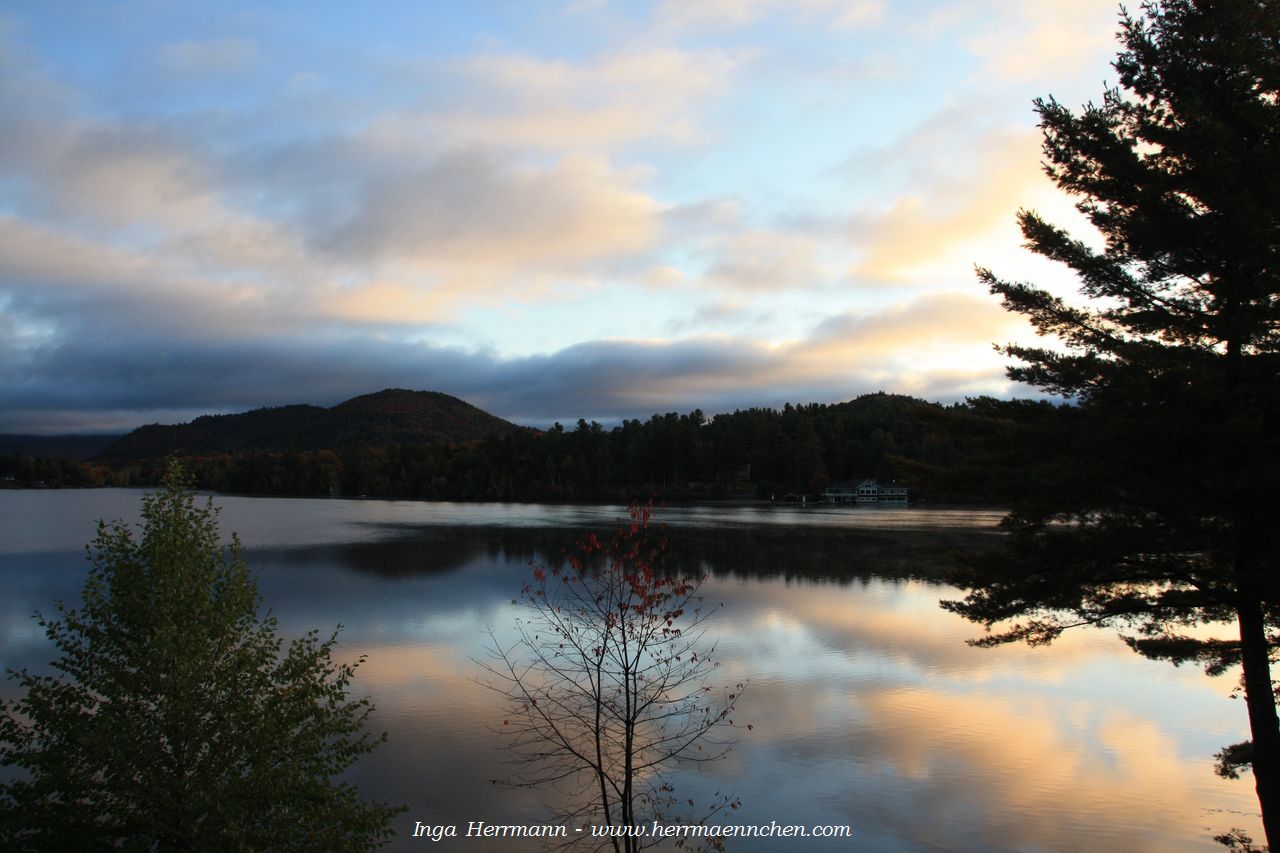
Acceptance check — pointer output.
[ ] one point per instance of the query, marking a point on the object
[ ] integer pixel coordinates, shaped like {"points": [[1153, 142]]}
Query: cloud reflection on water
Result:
{"points": [[866, 705]]}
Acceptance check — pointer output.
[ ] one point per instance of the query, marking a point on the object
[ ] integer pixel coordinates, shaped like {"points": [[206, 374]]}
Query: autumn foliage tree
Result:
{"points": [[608, 684]]}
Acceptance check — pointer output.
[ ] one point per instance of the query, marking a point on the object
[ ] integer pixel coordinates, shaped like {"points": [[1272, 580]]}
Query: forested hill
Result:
{"points": [[403, 444], [393, 416], [755, 452]]}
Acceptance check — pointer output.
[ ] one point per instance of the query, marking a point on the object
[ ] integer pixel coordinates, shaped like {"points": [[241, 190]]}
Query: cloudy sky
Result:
{"points": [[553, 210]]}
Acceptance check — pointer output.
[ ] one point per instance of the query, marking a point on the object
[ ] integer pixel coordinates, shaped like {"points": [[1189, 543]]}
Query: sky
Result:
{"points": [[553, 210]]}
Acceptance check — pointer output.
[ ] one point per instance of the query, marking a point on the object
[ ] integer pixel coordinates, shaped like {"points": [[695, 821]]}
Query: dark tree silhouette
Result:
{"points": [[404, 445], [1150, 504]]}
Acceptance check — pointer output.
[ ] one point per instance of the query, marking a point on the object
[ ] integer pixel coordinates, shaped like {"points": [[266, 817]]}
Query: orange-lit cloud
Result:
{"points": [[869, 691], [1053, 36], [671, 205], [387, 303], [470, 209], [940, 320], [982, 187], [880, 673]]}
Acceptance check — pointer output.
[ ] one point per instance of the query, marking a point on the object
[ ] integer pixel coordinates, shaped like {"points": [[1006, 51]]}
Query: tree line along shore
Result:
{"points": [[756, 453]]}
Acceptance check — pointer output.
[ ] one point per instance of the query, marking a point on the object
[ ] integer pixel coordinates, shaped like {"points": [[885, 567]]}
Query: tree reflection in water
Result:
{"points": [[608, 684]]}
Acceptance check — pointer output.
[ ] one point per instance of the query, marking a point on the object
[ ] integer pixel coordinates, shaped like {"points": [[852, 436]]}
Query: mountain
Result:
{"points": [[393, 416], [71, 446]]}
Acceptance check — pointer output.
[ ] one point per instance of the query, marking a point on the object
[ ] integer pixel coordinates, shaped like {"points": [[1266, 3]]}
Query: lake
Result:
{"points": [[867, 707]]}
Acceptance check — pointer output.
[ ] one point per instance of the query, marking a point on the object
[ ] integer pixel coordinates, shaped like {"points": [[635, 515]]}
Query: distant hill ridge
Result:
{"points": [[392, 416]]}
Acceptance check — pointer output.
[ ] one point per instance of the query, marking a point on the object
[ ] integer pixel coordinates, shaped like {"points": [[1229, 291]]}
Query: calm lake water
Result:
{"points": [[867, 707]]}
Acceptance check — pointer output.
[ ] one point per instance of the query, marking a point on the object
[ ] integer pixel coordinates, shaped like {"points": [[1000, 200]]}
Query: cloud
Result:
{"points": [[95, 368], [35, 256], [1077, 784], [386, 303], [938, 347], [978, 177], [731, 14], [1053, 37], [346, 227], [214, 56], [727, 312], [613, 101], [74, 287], [945, 318], [93, 172], [204, 242], [468, 208], [705, 217], [760, 260], [923, 719]]}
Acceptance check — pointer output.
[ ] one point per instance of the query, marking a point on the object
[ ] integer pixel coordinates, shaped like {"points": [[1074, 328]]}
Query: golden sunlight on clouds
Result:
{"points": [[938, 319], [716, 178], [387, 303], [35, 253], [471, 209], [934, 343], [558, 128], [903, 622], [664, 276], [1035, 760], [1047, 36], [167, 284], [888, 686], [908, 340], [415, 665], [954, 211]]}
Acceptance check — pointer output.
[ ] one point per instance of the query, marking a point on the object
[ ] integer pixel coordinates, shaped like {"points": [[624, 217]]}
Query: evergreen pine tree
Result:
{"points": [[177, 719], [1150, 502]]}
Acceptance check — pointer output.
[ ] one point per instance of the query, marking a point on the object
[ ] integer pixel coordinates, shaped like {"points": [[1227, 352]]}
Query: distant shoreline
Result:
{"points": [[658, 500]]}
